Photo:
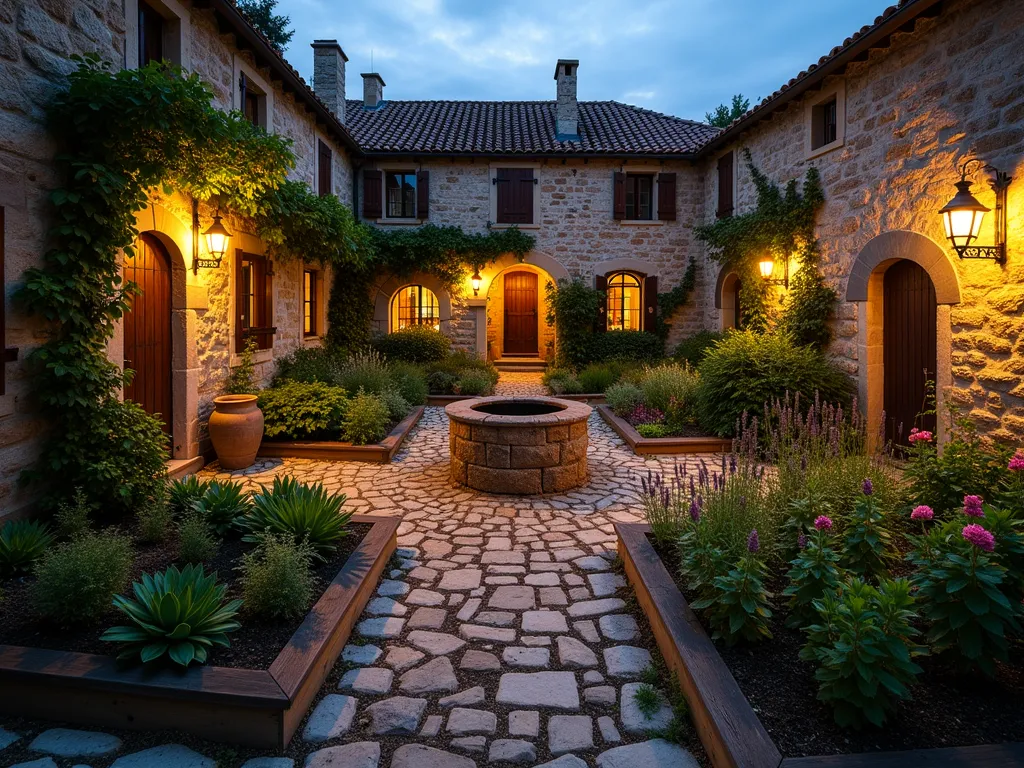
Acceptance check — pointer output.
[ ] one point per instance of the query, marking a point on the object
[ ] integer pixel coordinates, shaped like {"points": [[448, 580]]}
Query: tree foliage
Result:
{"points": [[273, 26], [724, 115]]}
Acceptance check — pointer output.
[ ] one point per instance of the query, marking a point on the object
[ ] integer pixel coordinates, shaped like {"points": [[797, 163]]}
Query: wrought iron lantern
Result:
{"points": [[476, 280], [962, 216], [216, 237], [766, 266]]}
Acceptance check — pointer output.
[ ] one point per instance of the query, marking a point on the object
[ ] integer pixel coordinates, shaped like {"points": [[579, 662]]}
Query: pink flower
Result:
{"points": [[922, 513], [919, 435], [1017, 462], [823, 523], [979, 537], [972, 506]]}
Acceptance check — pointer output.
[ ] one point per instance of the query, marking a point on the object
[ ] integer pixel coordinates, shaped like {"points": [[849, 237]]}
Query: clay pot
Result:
{"points": [[236, 429]]}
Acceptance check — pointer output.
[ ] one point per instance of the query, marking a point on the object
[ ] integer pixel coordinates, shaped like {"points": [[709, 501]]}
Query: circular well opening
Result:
{"points": [[518, 408]]}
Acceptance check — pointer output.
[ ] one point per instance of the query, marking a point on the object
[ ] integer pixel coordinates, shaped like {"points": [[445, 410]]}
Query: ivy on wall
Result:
{"points": [[781, 225], [670, 301], [121, 134]]}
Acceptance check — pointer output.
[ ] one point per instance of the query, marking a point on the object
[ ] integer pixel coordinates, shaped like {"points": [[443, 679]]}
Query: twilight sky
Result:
{"points": [[681, 57]]}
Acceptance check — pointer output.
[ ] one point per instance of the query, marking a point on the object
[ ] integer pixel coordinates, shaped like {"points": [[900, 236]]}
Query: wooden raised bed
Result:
{"points": [[258, 708], [727, 726], [649, 446], [379, 453], [593, 399]]}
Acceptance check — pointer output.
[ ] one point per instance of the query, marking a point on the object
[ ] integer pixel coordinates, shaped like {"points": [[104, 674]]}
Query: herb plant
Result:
{"points": [[867, 541], [814, 572], [76, 581], [366, 419], [737, 606], [277, 578], [196, 542]]}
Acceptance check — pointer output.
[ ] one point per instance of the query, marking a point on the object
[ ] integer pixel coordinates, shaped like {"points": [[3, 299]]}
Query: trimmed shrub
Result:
{"points": [[623, 398], [196, 542], [397, 405], [310, 364], [277, 578], [154, 521], [473, 381], [597, 377], [76, 581], [562, 381], [442, 382], [652, 430], [302, 411], [410, 381], [693, 349], [639, 346], [72, 518], [746, 370], [667, 382], [365, 371], [573, 309], [416, 344], [366, 419]]}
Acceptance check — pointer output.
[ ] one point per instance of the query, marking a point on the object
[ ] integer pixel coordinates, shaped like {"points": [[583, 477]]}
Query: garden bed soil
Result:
{"points": [[692, 442], [948, 709], [253, 646]]}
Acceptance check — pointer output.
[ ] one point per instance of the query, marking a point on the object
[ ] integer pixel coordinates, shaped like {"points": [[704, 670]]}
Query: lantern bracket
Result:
{"points": [[999, 182]]}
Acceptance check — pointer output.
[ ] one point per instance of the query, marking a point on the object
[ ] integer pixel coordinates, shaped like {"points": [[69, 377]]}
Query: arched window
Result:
{"points": [[625, 302], [732, 312], [414, 305]]}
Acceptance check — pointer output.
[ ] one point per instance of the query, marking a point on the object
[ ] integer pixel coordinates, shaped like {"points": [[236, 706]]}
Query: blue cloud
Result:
{"points": [[682, 57]]}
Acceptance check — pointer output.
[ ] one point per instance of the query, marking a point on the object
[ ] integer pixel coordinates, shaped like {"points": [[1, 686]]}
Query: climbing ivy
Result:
{"points": [[122, 134], [670, 301], [781, 225]]}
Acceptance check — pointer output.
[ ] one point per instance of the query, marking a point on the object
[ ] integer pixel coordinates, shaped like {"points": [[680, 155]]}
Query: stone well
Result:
{"points": [[518, 445]]}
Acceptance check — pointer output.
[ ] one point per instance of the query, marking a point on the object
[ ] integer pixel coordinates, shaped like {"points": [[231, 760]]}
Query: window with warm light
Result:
{"points": [[415, 305], [310, 279], [624, 302]]}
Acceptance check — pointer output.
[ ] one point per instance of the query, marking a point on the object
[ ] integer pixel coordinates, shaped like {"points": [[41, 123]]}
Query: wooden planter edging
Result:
{"points": [[727, 726], [258, 708], [594, 399], [648, 446], [443, 400], [380, 453]]}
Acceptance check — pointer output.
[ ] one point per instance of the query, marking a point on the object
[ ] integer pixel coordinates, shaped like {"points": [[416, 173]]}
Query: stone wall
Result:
{"points": [[946, 91]]}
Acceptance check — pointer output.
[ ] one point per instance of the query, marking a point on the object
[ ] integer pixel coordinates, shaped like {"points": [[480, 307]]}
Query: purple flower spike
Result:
{"points": [[867, 487], [695, 510], [972, 506], [823, 523], [801, 541], [753, 541]]}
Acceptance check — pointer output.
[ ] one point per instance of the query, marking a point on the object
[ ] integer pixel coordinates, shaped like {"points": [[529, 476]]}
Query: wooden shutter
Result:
{"points": [[515, 195], [7, 354], [325, 181], [650, 319], [267, 321], [372, 195], [240, 294], [619, 196], [601, 284], [725, 191], [423, 195], [667, 196]]}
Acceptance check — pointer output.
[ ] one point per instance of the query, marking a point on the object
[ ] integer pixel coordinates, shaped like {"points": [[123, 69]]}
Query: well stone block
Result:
{"points": [[527, 456]]}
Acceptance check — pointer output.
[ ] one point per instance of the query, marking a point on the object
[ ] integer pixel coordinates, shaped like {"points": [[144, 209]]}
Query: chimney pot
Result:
{"points": [[373, 90], [567, 112], [329, 75]]}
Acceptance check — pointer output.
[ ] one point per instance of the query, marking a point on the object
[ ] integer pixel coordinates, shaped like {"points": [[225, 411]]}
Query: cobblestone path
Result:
{"points": [[502, 635]]}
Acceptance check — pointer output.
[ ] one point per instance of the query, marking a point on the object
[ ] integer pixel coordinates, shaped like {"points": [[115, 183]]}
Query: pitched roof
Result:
{"points": [[519, 128]]}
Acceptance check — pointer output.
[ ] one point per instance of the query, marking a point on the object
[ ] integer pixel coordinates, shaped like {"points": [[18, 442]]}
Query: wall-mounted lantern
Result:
{"points": [[766, 266], [962, 216], [216, 237], [476, 280]]}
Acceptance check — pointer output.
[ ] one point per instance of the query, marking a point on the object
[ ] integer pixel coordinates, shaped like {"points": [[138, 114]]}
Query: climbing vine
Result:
{"points": [[120, 135], [781, 225], [670, 301]]}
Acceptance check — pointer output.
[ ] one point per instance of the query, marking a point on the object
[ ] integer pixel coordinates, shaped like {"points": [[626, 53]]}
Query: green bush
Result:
{"points": [[309, 365], [302, 411], [745, 371], [242, 380], [181, 493], [416, 344], [76, 581], [72, 518], [178, 613], [365, 371], [221, 505], [196, 542], [867, 541], [304, 512], [562, 381], [442, 382], [366, 419], [737, 604], [597, 377], [154, 521], [410, 382], [277, 578], [22, 542], [573, 310], [623, 397], [693, 349], [667, 382], [653, 430], [638, 346], [473, 381], [397, 405]]}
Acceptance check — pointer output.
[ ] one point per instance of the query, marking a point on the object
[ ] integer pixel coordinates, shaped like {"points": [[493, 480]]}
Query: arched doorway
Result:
{"points": [[908, 348], [147, 329]]}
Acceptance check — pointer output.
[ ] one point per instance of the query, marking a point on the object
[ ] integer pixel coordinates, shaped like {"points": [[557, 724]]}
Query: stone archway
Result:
{"points": [[865, 288], [727, 298], [384, 291]]}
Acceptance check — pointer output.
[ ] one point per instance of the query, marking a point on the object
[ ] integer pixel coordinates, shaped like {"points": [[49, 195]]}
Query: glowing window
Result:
{"points": [[624, 302], [414, 305]]}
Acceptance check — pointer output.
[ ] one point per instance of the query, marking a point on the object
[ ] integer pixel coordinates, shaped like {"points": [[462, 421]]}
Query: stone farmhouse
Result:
{"points": [[611, 193]]}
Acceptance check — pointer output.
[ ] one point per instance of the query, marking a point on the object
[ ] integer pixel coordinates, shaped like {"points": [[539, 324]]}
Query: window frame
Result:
{"points": [[324, 152], [149, 18], [637, 311], [395, 309], [403, 173], [631, 180], [311, 302], [257, 86], [247, 287], [176, 36], [818, 109]]}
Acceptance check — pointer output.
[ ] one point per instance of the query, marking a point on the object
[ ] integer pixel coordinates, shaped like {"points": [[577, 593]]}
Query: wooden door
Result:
{"points": [[909, 354], [147, 329], [520, 313]]}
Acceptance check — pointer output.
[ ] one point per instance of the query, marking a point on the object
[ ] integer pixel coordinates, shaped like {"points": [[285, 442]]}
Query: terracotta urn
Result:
{"points": [[236, 429]]}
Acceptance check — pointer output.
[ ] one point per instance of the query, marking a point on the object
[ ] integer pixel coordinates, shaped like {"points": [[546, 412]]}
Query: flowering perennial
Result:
{"points": [[919, 435], [979, 537], [972, 506], [922, 512], [823, 523]]}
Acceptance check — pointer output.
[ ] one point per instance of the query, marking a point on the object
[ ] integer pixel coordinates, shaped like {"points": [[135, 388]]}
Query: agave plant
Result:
{"points": [[21, 544], [182, 494], [180, 613], [221, 504], [307, 512]]}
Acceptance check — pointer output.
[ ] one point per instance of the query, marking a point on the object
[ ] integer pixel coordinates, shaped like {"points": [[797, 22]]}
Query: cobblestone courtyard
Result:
{"points": [[504, 634]]}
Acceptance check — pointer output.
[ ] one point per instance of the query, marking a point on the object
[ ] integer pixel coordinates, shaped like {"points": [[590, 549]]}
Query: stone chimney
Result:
{"points": [[373, 90], [329, 75], [567, 112]]}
